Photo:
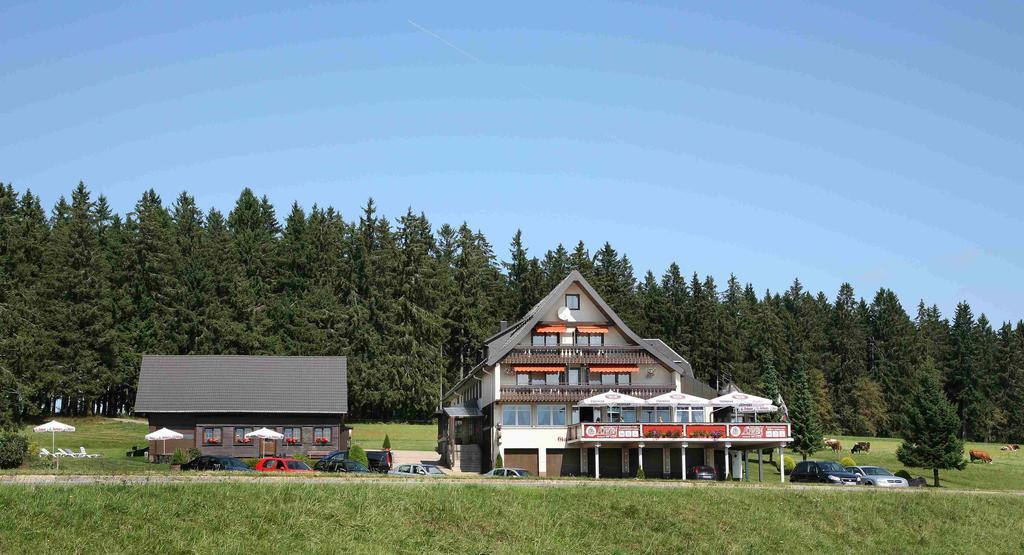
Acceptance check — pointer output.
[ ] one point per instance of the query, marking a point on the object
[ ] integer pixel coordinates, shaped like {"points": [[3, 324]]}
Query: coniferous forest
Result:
{"points": [[85, 292]]}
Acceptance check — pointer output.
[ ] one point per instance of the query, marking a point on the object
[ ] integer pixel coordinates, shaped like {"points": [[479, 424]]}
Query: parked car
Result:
{"points": [[701, 472], [342, 465], [211, 462], [508, 473], [280, 464], [878, 476], [826, 472], [417, 470], [380, 461]]}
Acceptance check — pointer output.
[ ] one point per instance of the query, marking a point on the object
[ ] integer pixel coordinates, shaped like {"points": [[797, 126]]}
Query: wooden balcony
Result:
{"points": [[572, 354], [556, 393]]}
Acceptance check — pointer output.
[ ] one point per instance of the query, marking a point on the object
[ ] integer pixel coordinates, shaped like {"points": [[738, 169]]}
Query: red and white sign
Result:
{"points": [[604, 431], [758, 431]]}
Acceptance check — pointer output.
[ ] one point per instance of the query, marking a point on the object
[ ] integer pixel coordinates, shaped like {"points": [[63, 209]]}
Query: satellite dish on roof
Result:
{"points": [[565, 315]]}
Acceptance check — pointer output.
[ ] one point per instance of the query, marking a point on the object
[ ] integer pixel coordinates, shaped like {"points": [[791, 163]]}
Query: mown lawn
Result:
{"points": [[405, 437], [108, 437], [454, 518]]}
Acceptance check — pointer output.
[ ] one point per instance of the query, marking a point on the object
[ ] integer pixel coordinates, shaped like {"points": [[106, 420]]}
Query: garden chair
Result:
{"points": [[45, 453], [83, 454], [67, 453]]}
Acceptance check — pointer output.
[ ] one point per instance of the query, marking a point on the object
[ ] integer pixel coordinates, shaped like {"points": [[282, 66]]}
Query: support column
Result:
{"points": [[684, 461], [666, 461], [597, 461], [782, 463], [624, 461], [542, 461], [640, 463], [760, 465], [726, 461], [583, 461]]}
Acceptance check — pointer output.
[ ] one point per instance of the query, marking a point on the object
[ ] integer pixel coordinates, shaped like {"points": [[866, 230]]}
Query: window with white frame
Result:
{"points": [[629, 415], [515, 415], [551, 415], [572, 301], [523, 378], [689, 414]]}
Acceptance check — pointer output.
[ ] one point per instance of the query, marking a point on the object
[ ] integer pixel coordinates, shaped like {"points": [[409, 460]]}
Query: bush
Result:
{"points": [[499, 462], [179, 457], [788, 465], [303, 457], [193, 453], [848, 461], [640, 474], [13, 449], [251, 463], [905, 475], [387, 442], [356, 453]]}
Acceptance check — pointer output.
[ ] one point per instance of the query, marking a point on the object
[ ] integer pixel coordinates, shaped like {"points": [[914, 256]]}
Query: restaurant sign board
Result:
{"points": [[615, 431]]}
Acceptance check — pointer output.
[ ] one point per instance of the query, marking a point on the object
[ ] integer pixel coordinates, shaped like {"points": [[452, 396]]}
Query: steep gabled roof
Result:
{"points": [[501, 343], [242, 384]]}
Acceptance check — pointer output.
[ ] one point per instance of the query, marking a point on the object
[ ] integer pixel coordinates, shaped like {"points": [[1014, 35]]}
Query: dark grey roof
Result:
{"points": [[462, 411], [501, 343], [242, 384]]}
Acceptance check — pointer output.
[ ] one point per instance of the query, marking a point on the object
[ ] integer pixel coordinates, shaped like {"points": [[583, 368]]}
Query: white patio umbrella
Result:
{"points": [[611, 399], [163, 434], [53, 427], [677, 398], [264, 433], [736, 399]]}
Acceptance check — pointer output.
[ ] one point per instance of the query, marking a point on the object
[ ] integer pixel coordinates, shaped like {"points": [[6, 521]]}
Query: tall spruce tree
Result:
{"points": [[930, 428], [806, 429]]}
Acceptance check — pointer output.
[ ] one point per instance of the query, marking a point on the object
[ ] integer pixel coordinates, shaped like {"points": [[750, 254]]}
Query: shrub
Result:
{"points": [[179, 457], [356, 453], [251, 463], [13, 449], [640, 474], [789, 464], [498, 461], [848, 461], [193, 453], [387, 442], [303, 457], [905, 475]]}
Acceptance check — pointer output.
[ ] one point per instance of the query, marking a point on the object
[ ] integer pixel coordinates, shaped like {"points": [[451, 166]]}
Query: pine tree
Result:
{"points": [[930, 428], [806, 430]]}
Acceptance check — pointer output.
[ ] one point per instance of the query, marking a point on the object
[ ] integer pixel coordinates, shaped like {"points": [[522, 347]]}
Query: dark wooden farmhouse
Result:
{"points": [[214, 401]]}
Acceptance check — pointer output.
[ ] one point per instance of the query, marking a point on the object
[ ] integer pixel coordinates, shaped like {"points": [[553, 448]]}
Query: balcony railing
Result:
{"points": [[573, 354], [665, 433], [576, 392]]}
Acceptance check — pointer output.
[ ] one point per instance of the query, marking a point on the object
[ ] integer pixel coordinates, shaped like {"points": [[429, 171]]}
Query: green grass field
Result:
{"points": [[406, 437], [462, 518]]}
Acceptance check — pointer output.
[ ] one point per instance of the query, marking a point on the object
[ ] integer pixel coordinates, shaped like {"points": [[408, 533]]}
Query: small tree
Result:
{"points": [[930, 427], [806, 428], [13, 449], [356, 453], [640, 474], [387, 442], [499, 462]]}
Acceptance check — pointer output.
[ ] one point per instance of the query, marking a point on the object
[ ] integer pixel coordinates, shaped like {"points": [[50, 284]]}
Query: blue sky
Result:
{"points": [[878, 143]]}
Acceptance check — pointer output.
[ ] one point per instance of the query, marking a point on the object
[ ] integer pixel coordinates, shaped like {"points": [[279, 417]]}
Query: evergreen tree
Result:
{"points": [[930, 428], [806, 430]]}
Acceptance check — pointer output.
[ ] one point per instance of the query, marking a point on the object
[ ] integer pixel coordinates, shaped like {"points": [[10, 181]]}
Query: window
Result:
{"points": [[689, 414], [515, 415], [575, 415], [523, 378], [589, 340], [292, 436], [647, 415], [623, 379], [545, 340], [536, 378], [322, 435], [614, 414], [572, 301], [212, 436], [551, 415], [663, 414], [697, 415], [629, 416], [240, 438], [607, 379], [552, 379], [574, 376]]}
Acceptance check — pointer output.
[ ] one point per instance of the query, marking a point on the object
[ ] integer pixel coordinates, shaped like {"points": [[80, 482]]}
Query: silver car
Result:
{"points": [[427, 470], [508, 473], [878, 476]]}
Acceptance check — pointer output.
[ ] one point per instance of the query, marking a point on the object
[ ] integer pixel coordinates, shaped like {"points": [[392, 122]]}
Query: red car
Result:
{"points": [[280, 464]]}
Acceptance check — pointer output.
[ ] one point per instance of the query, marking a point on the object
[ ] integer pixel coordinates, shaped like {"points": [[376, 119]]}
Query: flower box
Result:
{"points": [[321, 441], [292, 441]]}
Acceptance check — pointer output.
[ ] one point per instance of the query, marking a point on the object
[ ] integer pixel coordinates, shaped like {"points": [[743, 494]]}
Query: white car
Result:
{"points": [[878, 476], [417, 470], [508, 473]]}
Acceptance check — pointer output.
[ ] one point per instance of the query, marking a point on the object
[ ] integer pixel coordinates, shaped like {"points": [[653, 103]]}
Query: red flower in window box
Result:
{"points": [[321, 441], [292, 441], [212, 441], [245, 440]]}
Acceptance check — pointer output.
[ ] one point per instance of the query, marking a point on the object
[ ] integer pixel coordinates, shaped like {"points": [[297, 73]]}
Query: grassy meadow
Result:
{"points": [[467, 518]]}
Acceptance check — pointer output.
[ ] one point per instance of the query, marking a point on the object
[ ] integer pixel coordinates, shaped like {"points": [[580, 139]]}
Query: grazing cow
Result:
{"points": [[980, 456], [861, 446], [834, 445], [1010, 447]]}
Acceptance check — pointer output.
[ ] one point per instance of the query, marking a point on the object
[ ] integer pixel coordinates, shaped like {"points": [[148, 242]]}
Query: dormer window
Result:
{"points": [[572, 301]]}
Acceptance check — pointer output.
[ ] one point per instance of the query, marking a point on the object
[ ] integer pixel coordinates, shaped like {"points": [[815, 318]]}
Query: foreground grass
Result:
{"points": [[236, 518]]}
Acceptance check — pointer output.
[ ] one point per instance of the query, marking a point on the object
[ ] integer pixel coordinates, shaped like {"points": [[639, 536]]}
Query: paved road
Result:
{"points": [[51, 479]]}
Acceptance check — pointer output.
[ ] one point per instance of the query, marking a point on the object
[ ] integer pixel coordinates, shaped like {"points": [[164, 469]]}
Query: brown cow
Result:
{"points": [[834, 445], [861, 446], [1010, 447], [980, 456]]}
